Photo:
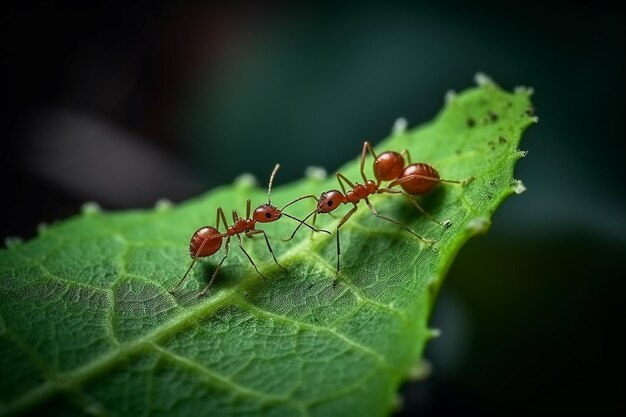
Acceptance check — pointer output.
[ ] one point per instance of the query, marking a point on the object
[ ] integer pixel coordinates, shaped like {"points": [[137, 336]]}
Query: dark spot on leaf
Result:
{"points": [[530, 111], [471, 122], [493, 116], [502, 139]]}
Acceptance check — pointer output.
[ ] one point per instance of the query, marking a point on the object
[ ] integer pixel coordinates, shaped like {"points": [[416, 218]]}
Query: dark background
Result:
{"points": [[124, 105]]}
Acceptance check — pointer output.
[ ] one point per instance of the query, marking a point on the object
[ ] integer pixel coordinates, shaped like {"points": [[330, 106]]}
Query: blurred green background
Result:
{"points": [[124, 105]]}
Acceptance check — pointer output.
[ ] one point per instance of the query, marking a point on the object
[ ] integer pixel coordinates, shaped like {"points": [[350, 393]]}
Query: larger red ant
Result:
{"points": [[415, 179], [207, 240]]}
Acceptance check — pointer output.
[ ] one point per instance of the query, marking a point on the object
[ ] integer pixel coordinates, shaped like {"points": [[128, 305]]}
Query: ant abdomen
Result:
{"points": [[388, 166], [205, 242], [424, 178]]}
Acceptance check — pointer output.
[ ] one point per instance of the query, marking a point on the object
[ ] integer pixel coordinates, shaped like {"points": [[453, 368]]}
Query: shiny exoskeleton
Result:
{"points": [[415, 179], [207, 240]]}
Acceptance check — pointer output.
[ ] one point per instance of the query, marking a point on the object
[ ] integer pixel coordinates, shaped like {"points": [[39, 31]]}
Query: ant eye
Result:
{"points": [[268, 215], [330, 203]]}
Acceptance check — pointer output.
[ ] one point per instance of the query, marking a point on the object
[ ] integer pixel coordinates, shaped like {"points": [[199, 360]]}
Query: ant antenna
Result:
{"points": [[269, 188], [304, 223]]}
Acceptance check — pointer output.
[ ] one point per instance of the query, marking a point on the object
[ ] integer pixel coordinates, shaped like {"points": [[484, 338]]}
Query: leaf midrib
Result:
{"points": [[67, 381]]}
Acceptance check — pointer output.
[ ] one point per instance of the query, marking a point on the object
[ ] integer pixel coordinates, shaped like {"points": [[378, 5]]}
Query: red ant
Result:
{"points": [[415, 179], [207, 240]]}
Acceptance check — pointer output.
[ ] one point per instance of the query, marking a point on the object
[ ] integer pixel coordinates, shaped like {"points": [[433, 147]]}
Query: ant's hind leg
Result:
{"points": [[193, 262], [375, 213], [446, 223], [219, 265], [407, 155]]}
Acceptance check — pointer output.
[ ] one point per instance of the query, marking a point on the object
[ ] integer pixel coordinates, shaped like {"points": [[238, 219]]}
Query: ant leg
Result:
{"points": [[366, 147], [248, 209], [340, 177], [249, 258], [193, 262], [445, 224], [407, 155], [235, 216], [408, 178], [423, 177], [341, 223], [219, 265], [462, 182], [313, 224], [256, 232], [375, 213], [220, 215]]}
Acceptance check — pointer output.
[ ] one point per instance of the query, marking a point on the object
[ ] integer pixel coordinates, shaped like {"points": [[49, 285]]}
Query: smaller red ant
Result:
{"points": [[208, 240], [415, 179]]}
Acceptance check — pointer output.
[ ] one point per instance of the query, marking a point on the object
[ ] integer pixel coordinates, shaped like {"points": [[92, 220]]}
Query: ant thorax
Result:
{"points": [[241, 226]]}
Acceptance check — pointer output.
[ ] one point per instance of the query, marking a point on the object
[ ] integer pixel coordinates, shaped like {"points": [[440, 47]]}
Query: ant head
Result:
{"points": [[329, 201], [266, 213], [388, 166]]}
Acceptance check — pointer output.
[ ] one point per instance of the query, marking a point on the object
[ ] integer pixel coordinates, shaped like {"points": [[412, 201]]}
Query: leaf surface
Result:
{"points": [[87, 325]]}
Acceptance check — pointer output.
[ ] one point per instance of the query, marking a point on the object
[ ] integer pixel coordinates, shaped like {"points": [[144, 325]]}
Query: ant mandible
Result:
{"points": [[415, 179], [208, 240]]}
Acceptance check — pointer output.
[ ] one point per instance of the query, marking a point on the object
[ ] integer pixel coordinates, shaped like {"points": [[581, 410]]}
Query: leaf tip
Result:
{"points": [[246, 180], [399, 126], [163, 204], [90, 208], [420, 371], [315, 173], [483, 80], [478, 225], [518, 186]]}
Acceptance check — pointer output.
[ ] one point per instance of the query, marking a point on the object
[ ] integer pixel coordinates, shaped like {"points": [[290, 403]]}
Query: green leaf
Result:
{"points": [[87, 325]]}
